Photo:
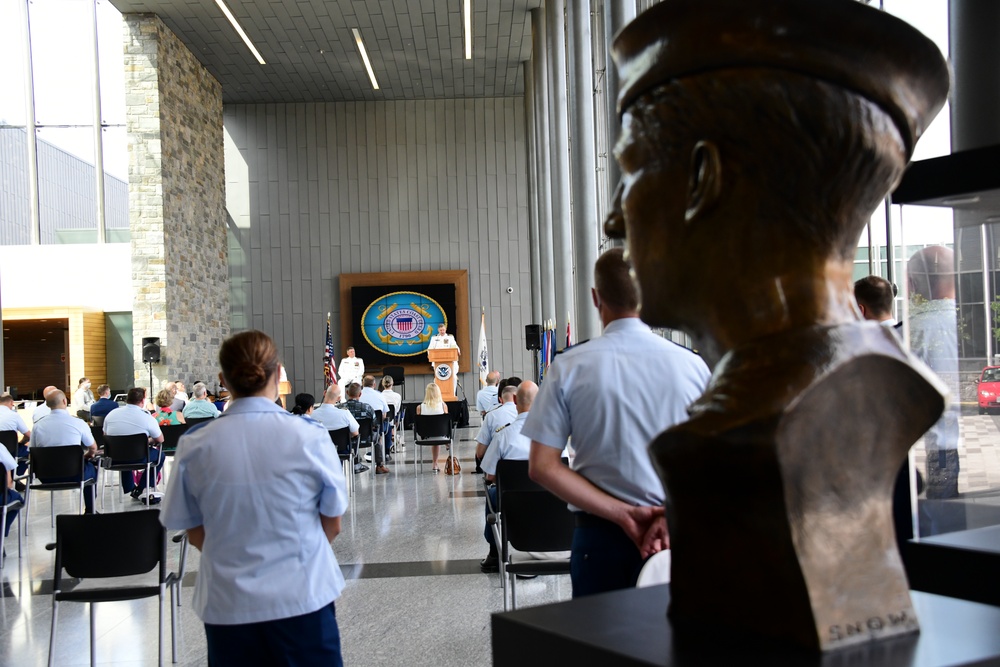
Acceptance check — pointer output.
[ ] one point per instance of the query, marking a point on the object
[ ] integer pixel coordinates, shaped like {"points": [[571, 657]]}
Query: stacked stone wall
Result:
{"points": [[177, 211]]}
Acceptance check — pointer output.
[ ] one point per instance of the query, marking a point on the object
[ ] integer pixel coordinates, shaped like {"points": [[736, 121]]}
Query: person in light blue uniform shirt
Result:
{"points": [[332, 417], [132, 419], [495, 419], [60, 429], [7, 465], [612, 484], [261, 493], [10, 420], [486, 399], [508, 445]]}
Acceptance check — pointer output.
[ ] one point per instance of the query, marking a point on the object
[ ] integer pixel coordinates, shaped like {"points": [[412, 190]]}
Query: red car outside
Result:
{"points": [[988, 389]]}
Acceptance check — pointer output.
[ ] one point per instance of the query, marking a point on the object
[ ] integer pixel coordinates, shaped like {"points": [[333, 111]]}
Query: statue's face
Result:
{"points": [[651, 202]]}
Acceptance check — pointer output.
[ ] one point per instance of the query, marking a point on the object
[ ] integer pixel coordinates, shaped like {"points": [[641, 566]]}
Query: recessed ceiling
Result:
{"points": [[415, 46]]}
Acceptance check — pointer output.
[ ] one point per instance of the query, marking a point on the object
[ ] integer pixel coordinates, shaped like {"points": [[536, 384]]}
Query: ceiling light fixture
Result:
{"points": [[467, 20], [239, 29], [364, 57]]}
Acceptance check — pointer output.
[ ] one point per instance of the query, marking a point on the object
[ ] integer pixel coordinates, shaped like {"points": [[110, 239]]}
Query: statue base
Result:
{"points": [[630, 627]]}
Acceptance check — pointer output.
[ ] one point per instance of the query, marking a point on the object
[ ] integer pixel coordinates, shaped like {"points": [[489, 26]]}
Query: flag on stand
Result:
{"points": [[569, 340], [329, 375], [483, 355]]}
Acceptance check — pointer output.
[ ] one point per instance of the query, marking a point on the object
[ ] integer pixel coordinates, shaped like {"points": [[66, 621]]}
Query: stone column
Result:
{"points": [[177, 215]]}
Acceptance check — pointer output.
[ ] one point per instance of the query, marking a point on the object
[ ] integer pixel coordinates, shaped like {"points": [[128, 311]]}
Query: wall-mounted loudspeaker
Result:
{"points": [[151, 350], [533, 336]]}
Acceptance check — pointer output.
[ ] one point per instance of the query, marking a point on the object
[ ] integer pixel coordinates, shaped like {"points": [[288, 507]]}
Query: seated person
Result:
{"points": [[304, 405], [360, 410], [488, 396], [60, 429], [131, 419], [103, 405], [165, 415], [381, 407], [508, 444], [83, 397], [43, 409], [200, 407], [8, 464], [11, 421], [495, 420]]}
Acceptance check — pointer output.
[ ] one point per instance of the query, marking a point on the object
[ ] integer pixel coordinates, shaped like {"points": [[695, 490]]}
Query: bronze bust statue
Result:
{"points": [[758, 137]]}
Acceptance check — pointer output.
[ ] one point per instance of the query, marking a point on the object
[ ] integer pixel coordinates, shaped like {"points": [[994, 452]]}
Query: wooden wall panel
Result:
{"points": [[373, 187]]}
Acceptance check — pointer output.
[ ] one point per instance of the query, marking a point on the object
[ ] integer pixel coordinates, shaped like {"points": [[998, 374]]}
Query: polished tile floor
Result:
{"points": [[410, 551]]}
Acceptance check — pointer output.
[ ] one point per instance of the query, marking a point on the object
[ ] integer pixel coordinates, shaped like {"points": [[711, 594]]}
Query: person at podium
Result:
{"points": [[443, 341]]}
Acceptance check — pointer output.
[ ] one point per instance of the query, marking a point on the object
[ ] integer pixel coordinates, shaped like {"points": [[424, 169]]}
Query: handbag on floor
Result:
{"points": [[452, 466]]}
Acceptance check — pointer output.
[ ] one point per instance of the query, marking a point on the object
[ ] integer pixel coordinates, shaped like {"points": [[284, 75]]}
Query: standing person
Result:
{"points": [[351, 369], [83, 396], [433, 405], [444, 341], [874, 295], [267, 588], [612, 485]]}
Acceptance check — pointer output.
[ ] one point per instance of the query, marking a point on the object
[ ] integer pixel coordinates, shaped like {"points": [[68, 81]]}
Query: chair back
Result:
{"points": [[341, 437], [98, 433], [536, 521], [97, 421], [56, 462], [391, 416], [191, 421], [378, 417], [9, 440], [365, 429], [171, 436], [427, 427], [124, 448], [122, 544]]}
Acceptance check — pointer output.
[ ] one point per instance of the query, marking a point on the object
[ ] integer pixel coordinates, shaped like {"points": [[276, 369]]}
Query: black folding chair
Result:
{"points": [[10, 440], [191, 421], [126, 453], [101, 546], [428, 431], [97, 421], [530, 518], [171, 436], [8, 505], [341, 439], [366, 438], [174, 582], [55, 463]]}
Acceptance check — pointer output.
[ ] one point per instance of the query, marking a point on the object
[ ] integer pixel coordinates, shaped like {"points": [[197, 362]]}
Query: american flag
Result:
{"points": [[329, 375]]}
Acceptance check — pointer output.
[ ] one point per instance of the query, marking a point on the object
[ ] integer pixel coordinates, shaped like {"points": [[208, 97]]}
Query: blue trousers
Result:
{"points": [[22, 453], [488, 530], [128, 483], [89, 472], [603, 559], [310, 639]]}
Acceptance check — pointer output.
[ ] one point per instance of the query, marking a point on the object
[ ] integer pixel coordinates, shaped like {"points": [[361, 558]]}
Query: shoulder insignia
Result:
{"points": [[501, 428]]}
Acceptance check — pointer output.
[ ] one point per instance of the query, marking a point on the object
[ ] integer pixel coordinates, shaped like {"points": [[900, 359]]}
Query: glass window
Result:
{"points": [[66, 185], [111, 58], [13, 74], [115, 184], [62, 56], [15, 209]]}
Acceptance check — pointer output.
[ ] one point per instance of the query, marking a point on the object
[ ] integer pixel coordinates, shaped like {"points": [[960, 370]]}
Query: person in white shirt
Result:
{"points": [[486, 399], [43, 409], [83, 396], [443, 341], [396, 401], [351, 369], [61, 429]]}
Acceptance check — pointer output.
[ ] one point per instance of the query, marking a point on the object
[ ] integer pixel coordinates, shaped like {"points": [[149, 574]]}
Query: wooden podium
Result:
{"points": [[442, 359]]}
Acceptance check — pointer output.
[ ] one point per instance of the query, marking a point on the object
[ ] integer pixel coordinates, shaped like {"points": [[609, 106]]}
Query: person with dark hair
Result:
{"points": [[612, 484], [361, 410], [304, 404], [874, 296], [103, 405], [267, 588], [129, 420]]}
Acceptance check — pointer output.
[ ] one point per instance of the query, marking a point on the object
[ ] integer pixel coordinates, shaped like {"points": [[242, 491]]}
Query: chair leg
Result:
{"points": [[159, 643], [27, 507], [174, 603], [52, 632], [93, 637], [3, 537], [513, 592]]}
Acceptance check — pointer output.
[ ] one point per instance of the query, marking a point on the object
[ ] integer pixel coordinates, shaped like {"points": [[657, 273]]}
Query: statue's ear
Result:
{"points": [[705, 182]]}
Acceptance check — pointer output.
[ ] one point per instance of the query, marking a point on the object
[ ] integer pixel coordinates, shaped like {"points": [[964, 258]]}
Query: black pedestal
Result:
{"points": [[630, 627]]}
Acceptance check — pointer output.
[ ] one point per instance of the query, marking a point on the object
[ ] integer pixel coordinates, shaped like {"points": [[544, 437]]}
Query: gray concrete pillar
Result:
{"points": [[543, 164], [533, 188], [586, 225], [562, 230], [617, 13]]}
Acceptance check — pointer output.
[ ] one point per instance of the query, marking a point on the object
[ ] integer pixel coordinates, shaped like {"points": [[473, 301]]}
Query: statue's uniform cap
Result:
{"points": [[842, 42]]}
